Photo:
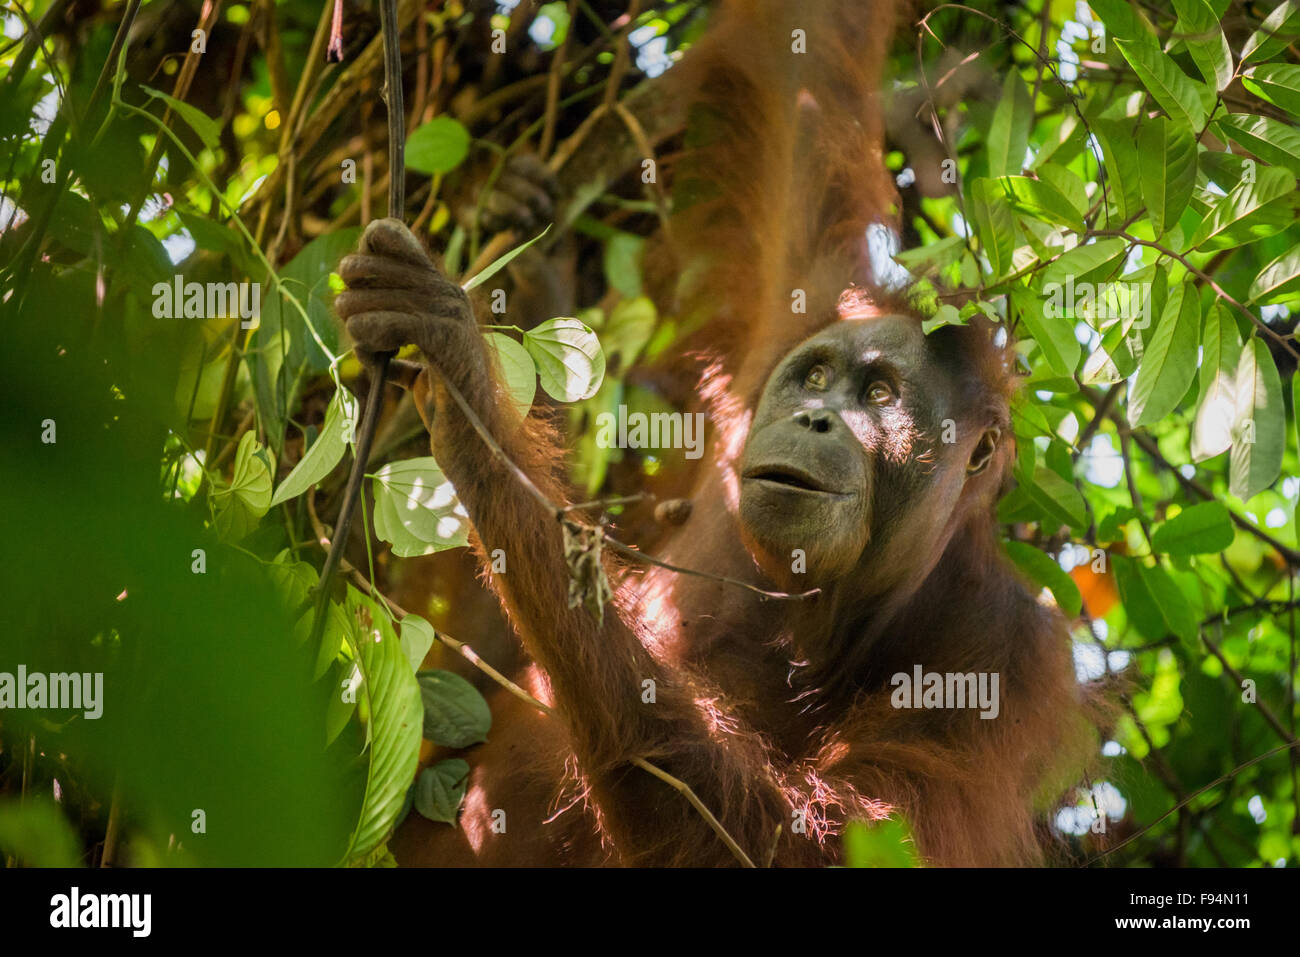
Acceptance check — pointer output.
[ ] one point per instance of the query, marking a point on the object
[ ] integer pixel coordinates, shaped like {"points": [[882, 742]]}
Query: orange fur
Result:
{"points": [[765, 708]]}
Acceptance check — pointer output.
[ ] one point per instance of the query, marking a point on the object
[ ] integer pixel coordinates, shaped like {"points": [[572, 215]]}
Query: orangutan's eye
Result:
{"points": [[818, 378], [881, 393]]}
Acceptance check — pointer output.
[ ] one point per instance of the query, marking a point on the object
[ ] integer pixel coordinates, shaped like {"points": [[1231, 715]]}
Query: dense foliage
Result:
{"points": [[1115, 186]]}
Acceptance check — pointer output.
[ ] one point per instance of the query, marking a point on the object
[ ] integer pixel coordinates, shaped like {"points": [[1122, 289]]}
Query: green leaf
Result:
{"points": [[295, 580], [1212, 430], [630, 326], [490, 270], [1095, 262], [622, 262], [417, 638], [240, 505], [325, 453], [440, 789], [1123, 187], [340, 709], [1201, 529], [1259, 427], [994, 225], [1167, 171], [887, 843], [455, 714], [1044, 570], [416, 508], [1041, 200], [1251, 210], [37, 834], [1168, 85], [202, 124], [283, 349], [1279, 280], [517, 369], [1199, 28], [1054, 335], [1112, 361], [1169, 363], [438, 146], [938, 254], [1295, 402], [1121, 18], [1066, 182], [1008, 136], [945, 315], [1155, 604], [213, 237], [1274, 34], [569, 359], [1057, 498], [1276, 82], [1269, 139], [1064, 140], [394, 724]]}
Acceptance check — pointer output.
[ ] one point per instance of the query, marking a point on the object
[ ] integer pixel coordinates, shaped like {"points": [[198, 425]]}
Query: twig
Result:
{"points": [[113, 833], [685, 790], [339, 97], [1099, 416], [472, 656], [207, 17], [34, 40], [1208, 280], [632, 553], [655, 190], [21, 267], [495, 248], [379, 370], [553, 87], [1290, 555], [1262, 708], [607, 502], [619, 69], [1134, 495], [1191, 797], [228, 450]]}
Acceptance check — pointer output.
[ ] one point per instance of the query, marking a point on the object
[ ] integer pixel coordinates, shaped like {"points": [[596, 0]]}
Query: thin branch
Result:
{"points": [[553, 87], [685, 790], [1191, 797], [1099, 416], [1208, 280], [1134, 495], [632, 553], [1262, 708], [1290, 555], [113, 831], [390, 28]]}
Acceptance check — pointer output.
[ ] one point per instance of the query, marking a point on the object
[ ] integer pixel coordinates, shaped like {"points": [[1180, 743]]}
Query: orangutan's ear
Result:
{"points": [[983, 453]]}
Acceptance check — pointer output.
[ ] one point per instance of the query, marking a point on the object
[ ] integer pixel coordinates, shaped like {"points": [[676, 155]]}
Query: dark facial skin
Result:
{"points": [[846, 447]]}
